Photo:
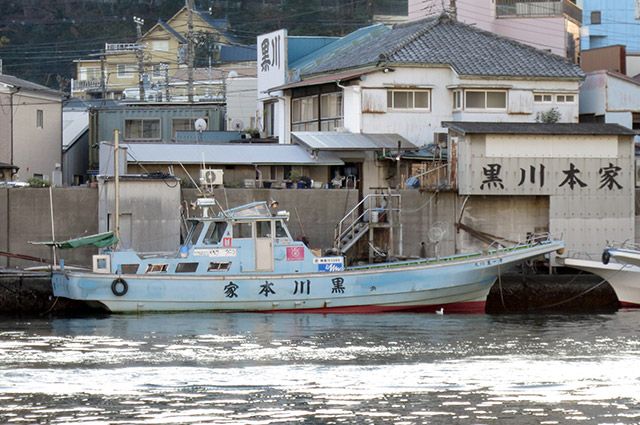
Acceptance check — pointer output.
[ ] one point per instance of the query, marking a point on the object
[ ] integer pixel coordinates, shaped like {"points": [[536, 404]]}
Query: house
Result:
{"points": [[163, 50], [576, 181], [552, 25], [148, 123], [406, 80], [610, 97], [30, 130]]}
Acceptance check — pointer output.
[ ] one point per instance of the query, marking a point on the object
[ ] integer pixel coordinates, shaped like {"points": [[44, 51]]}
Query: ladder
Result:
{"points": [[376, 210]]}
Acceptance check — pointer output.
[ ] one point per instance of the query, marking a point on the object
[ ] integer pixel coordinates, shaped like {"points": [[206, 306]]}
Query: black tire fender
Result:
{"points": [[119, 287], [606, 256]]}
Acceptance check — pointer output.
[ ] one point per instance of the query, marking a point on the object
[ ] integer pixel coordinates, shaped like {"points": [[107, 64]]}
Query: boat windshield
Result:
{"points": [[214, 233], [255, 209], [194, 234]]}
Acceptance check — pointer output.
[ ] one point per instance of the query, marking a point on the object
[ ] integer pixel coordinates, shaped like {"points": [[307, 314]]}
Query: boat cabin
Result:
{"points": [[246, 239]]}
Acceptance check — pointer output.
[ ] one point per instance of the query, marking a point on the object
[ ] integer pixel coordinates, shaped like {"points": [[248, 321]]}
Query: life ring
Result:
{"points": [[606, 256], [119, 287]]}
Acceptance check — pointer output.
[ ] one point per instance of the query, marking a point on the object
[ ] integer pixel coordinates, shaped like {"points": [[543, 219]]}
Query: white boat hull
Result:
{"points": [[623, 278]]}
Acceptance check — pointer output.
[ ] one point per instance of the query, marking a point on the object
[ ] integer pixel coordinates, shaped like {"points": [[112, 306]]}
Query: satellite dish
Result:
{"points": [[200, 125]]}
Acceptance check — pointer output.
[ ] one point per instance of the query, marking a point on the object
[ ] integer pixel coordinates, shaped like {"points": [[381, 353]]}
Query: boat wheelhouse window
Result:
{"points": [[129, 268], [214, 233], [157, 268], [215, 267], [195, 232], [263, 229], [242, 230], [280, 230], [186, 267]]}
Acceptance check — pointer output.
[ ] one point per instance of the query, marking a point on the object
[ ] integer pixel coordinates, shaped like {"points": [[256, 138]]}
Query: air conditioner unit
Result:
{"points": [[211, 177]]}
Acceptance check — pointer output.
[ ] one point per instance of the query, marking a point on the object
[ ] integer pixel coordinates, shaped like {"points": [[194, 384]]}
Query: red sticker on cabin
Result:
{"points": [[227, 242], [295, 253]]}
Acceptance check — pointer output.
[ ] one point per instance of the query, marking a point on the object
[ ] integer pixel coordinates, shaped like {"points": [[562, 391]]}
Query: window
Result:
{"points": [[157, 268], [184, 124], [242, 230], [160, 45], [305, 113], [263, 228], [129, 268], [596, 17], [268, 115], [40, 118], [408, 99], [88, 74], [147, 129], [214, 233], [126, 70], [636, 121], [218, 267], [565, 98], [159, 70], [186, 267], [542, 98], [331, 111], [280, 231], [457, 100], [195, 232], [489, 99]]}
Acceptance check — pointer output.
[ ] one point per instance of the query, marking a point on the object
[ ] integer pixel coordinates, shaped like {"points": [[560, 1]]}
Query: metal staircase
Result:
{"points": [[372, 212]]}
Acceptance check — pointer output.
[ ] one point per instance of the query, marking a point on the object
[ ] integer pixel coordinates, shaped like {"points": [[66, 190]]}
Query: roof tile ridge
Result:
{"points": [[429, 24]]}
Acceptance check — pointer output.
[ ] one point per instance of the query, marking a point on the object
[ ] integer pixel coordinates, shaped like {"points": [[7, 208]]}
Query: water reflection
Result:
{"points": [[262, 369]]}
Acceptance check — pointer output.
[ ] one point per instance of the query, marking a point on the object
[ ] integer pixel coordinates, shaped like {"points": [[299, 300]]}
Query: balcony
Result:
{"points": [[85, 85], [537, 8], [120, 47]]}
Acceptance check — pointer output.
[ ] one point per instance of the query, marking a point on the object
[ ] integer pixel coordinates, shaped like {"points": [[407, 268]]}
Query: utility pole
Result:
{"points": [[103, 76], [190, 49], [166, 82], [140, 56]]}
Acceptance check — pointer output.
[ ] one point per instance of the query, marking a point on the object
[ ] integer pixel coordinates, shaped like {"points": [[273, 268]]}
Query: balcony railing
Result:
{"points": [[120, 47], [538, 8], [84, 85]]}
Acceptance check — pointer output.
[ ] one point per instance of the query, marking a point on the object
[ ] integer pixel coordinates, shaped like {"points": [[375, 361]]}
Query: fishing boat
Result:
{"points": [[245, 259], [620, 266]]}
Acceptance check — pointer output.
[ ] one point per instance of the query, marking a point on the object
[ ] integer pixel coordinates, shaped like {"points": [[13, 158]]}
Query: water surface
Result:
{"points": [[325, 369]]}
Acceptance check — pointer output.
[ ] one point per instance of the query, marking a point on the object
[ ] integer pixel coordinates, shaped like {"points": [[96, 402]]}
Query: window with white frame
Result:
{"points": [[565, 98], [543, 98], [126, 70], [409, 99], [142, 129], [485, 99], [457, 100]]}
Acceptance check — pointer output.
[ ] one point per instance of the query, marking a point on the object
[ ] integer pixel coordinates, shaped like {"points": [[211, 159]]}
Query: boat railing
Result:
{"points": [[530, 239], [627, 244]]}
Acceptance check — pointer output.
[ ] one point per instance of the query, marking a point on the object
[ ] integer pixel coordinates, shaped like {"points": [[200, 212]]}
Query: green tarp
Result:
{"points": [[99, 240]]}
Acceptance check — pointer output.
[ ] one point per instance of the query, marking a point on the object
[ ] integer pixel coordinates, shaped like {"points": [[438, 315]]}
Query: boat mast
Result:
{"points": [[116, 179]]}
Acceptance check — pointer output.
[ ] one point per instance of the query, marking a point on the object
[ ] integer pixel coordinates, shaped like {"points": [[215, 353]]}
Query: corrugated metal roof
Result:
{"points": [[538, 128], [28, 85], [227, 154], [342, 141], [322, 79]]}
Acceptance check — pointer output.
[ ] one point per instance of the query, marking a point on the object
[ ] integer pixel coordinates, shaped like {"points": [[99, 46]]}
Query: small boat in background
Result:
{"points": [[620, 266], [244, 259]]}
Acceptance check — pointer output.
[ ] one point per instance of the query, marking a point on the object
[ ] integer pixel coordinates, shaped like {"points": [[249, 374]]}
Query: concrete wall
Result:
{"points": [[25, 216]]}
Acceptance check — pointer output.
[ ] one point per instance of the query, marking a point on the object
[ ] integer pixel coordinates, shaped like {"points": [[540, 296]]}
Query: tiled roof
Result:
{"points": [[538, 128], [440, 41], [27, 85]]}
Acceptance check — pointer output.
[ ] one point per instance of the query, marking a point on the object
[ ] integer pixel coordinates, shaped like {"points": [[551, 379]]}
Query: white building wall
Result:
{"points": [[418, 126], [241, 102], [352, 99]]}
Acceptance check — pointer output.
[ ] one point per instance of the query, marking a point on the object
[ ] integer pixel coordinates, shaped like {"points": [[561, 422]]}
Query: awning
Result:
{"points": [[343, 141], [224, 154], [5, 166], [99, 240]]}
